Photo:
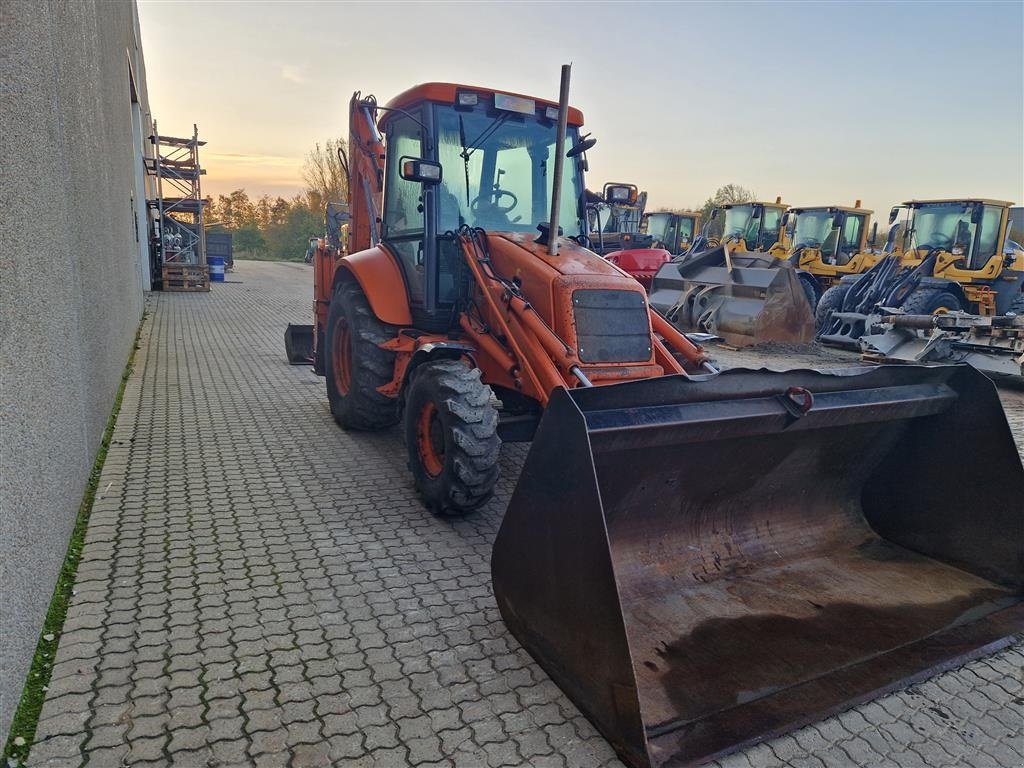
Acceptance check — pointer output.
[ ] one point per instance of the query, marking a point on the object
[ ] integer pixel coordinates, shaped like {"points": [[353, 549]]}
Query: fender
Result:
{"points": [[381, 280]]}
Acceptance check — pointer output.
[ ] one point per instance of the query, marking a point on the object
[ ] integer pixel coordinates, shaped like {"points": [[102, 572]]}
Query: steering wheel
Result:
{"points": [[487, 202]]}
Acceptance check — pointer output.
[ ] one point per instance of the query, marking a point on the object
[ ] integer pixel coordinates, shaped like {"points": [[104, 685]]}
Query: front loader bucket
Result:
{"points": [[745, 300], [703, 565], [298, 344]]}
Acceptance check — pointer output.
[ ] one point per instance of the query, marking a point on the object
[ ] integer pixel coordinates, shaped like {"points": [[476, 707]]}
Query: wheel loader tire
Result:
{"points": [[355, 366], [451, 432], [1017, 306], [931, 301], [830, 301], [810, 290]]}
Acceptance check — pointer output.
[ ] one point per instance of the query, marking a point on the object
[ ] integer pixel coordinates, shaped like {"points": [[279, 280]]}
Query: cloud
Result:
{"points": [[237, 158], [294, 73]]}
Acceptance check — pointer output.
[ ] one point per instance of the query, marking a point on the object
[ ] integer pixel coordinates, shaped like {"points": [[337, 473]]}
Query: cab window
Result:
{"points": [[770, 220], [852, 229], [987, 244], [403, 215]]}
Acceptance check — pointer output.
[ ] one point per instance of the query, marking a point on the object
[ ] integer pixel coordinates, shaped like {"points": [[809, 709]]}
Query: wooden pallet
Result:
{"points": [[186, 277]]}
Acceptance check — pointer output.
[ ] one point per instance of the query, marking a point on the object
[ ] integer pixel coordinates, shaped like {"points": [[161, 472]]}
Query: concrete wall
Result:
{"points": [[70, 283]]}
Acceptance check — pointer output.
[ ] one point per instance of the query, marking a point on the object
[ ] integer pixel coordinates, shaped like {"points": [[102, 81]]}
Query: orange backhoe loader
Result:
{"points": [[699, 560]]}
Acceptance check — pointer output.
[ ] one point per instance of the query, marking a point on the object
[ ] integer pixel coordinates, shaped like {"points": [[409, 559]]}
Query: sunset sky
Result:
{"points": [[817, 102]]}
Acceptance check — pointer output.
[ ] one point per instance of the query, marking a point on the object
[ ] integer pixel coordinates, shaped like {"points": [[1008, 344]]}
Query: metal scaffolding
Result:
{"points": [[178, 236]]}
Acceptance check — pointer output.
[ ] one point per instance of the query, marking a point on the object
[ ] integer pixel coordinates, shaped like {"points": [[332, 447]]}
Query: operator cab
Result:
{"points": [[837, 232], [757, 224], [465, 157], [967, 229]]}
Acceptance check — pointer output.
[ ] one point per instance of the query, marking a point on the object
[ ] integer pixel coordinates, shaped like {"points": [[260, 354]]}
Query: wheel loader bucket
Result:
{"points": [[745, 299], [298, 344], [703, 565]]}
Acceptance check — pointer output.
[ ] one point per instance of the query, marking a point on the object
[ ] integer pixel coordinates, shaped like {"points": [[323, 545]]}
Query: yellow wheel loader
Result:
{"points": [[689, 602], [826, 243], [948, 256]]}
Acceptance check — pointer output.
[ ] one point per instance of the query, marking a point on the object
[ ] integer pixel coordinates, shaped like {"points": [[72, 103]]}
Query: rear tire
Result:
{"points": [[830, 301], [931, 301], [355, 365], [451, 432]]}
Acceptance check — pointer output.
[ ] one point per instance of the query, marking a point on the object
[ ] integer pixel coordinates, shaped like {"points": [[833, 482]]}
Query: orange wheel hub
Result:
{"points": [[430, 440]]}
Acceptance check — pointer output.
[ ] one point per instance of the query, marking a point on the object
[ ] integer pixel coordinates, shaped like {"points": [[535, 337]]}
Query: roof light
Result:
{"points": [[467, 99], [551, 113], [508, 103]]}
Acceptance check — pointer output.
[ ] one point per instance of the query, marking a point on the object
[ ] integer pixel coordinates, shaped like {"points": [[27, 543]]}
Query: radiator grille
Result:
{"points": [[611, 326]]}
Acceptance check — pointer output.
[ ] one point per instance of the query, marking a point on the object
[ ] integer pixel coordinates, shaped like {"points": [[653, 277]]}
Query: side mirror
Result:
{"points": [[423, 171], [713, 215], [976, 213], [582, 146], [893, 215], [757, 212]]}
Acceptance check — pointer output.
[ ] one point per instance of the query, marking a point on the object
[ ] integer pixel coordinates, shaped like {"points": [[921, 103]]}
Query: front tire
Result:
{"points": [[931, 301], [451, 432], [830, 301], [354, 364]]}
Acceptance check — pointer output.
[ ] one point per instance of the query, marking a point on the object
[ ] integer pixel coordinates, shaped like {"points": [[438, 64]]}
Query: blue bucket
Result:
{"points": [[216, 268]]}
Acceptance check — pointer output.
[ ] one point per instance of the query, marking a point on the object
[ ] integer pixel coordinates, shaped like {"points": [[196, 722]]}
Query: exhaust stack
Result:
{"points": [[556, 183]]}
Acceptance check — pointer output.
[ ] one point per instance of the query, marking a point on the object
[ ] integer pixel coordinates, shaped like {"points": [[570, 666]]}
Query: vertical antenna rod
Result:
{"points": [[556, 182]]}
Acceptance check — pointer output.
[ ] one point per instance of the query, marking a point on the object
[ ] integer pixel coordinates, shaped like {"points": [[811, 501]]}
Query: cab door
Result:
{"points": [[403, 228]]}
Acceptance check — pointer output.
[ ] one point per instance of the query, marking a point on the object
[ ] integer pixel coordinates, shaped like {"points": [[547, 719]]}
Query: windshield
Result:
{"points": [[498, 169], [657, 226], [943, 225], [812, 228], [738, 220]]}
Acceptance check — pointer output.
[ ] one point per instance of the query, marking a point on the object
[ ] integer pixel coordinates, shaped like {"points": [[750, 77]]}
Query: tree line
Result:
{"points": [[279, 228]]}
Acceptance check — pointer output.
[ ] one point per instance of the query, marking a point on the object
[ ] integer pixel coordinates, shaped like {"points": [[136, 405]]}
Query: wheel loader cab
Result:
{"points": [[969, 231], [837, 233], [672, 231], [756, 225], [496, 154]]}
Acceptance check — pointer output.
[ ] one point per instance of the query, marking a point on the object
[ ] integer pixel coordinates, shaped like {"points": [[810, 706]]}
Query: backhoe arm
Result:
{"points": [[366, 173]]}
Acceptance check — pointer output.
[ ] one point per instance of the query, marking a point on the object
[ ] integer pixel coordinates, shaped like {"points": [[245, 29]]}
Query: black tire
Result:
{"points": [[929, 301], [830, 301], [1017, 306], [810, 290], [451, 432], [355, 367]]}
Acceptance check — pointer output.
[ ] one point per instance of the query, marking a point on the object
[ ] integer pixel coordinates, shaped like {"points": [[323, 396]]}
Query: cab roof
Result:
{"points": [[765, 203], [675, 213], [446, 94], [982, 200], [844, 208]]}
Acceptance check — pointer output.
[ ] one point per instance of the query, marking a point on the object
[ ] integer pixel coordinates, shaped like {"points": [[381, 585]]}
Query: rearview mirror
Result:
{"points": [[976, 213], [713, 215], [582, 146], [423, 171], [893, 215]]}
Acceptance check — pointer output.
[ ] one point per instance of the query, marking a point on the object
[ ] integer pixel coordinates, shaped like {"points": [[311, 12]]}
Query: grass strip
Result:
{"points": [[26, 717]]}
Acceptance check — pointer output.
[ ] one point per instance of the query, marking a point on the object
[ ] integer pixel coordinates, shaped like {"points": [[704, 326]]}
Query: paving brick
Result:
{"points": [[285, 600]]}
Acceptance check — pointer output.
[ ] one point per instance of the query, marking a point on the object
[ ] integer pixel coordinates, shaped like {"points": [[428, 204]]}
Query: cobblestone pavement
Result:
{"points": [[260, 587]]}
